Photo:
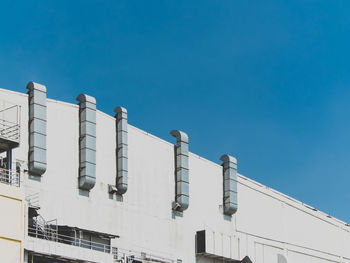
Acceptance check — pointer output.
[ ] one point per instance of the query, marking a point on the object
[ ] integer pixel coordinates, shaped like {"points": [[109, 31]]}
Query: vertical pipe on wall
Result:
{"points": [[37, 128], [181, 171], [9, 159], [229, 184], [121, 117], [87, 141]]}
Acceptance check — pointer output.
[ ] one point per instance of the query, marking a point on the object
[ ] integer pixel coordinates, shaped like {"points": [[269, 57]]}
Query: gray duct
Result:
{"points": [[182, 171], [87, 141], [281, 259], [37, 128], [121, 117], [230, 184]]}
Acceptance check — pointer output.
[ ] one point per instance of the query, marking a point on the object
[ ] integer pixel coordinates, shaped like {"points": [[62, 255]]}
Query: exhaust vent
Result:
{"points": [[122, 149], [181, 171], [87, 142], [230, 184], [37, 128]]}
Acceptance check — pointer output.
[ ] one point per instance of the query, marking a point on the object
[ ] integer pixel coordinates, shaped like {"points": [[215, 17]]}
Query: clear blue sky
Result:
{"points": [[265, 81]]}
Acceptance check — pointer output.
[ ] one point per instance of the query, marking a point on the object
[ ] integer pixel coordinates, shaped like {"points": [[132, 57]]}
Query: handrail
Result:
{"points": [[9, 108], [5, 121], [8, 130], [32, 231], [10, 177], [10, 123], [79, 242], [11, 132], [132, 254]]}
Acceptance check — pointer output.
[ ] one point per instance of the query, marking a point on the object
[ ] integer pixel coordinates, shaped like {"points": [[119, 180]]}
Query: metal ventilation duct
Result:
{"points": [[122, 149], [37, 128], [281, 259], [182, 171], [215, 248], [230, 184], [87, 141]]}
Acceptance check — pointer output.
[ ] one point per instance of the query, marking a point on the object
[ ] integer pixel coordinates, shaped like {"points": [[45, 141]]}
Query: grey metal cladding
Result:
{"points": [[281, 259], [183, 201], [87, 141], [229, 184], [182, 175], [37, 128], [121, 116], [181, 170]]}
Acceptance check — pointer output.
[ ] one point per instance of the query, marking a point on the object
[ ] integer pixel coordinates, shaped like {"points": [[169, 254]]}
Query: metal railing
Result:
{"points": [[10, 177], [46, 229], [9, 131], [48, 232], [43, 233], [127, 255], [10, 123]]}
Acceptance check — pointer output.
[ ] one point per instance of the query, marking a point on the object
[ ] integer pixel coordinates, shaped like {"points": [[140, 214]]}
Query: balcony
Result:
{"points": [[51, 235], [46, 243], [9, 126], [9, 177], [77, 246]]}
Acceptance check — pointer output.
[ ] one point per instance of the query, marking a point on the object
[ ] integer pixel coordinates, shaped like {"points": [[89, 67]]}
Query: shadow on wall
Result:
{"points": [[204, 259]]}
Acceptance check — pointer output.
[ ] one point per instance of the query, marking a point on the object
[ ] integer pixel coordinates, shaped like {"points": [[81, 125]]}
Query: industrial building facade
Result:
{"points": [[79, 185]]}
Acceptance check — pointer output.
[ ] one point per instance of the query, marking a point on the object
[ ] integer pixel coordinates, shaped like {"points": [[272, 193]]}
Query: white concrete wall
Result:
{"points": [[267, 222], [46, 247]]}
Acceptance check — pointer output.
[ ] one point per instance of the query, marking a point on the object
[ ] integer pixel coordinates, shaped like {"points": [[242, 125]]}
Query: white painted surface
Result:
{"points": [[267, 222], [11, 223], [46, 247]]}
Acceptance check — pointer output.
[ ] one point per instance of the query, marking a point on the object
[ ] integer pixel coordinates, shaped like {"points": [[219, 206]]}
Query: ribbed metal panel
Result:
{"points": [[182, 171], [122, 149], [37, 128], [87, 141], [230, 184]]}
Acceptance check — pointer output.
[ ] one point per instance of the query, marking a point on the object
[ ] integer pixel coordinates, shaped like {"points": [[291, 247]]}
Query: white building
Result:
{"points": [[100, 190]]}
